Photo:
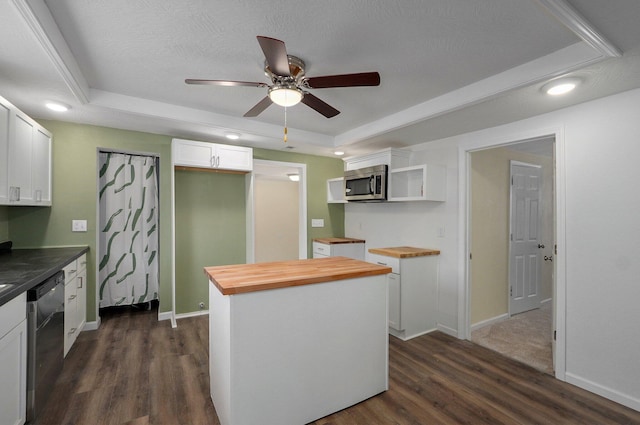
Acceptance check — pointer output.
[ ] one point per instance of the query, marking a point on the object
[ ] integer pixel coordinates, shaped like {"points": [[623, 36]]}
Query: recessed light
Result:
{"points": [[232, 136], [293, 177], [560, 86], [338, 153], [57, 106]]}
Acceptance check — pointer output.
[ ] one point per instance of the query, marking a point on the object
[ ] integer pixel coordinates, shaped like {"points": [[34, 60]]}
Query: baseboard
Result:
{"points": [[164, 315], [548, 300], [603, 391], [192, 314], [446, 329], [490, 321], [92, 326]]}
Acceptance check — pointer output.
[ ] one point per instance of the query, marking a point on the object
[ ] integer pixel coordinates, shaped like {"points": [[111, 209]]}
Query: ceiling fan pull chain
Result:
{"points": [[285, 124]]}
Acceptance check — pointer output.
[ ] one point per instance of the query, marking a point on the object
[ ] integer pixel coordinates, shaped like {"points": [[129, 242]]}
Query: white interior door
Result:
{"points": [[524, 247]]}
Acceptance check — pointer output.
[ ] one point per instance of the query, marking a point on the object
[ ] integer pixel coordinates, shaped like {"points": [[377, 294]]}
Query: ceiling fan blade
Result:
{"points": [[344, 80], [319, 105], [225, 83], [276, 54], [260, 106]]}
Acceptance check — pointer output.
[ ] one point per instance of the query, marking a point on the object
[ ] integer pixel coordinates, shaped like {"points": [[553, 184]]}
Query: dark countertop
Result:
{"points": [[22, 269]]}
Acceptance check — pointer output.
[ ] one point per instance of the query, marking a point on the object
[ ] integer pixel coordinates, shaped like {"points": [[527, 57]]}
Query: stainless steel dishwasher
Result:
{"points": [[45, 341]]}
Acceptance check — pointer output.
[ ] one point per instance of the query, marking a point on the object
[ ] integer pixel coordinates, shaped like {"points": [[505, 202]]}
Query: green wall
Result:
{"points": [[74, 197], [210, 231], [75, 149]]}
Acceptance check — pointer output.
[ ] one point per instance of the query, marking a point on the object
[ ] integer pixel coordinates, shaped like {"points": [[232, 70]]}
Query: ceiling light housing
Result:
{"points": [[294, 177], [57, 106], [285, 95], [338, 153], [231, 136], [561, 86]]}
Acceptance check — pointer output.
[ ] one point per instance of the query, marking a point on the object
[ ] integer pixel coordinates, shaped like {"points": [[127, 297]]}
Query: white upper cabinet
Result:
{"points": [[25, 159], [190, 153], [393, 158], [417, 183]]}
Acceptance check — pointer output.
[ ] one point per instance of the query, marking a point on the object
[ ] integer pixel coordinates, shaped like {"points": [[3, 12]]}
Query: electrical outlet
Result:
{"points": [[78, 225], [317, 222]]}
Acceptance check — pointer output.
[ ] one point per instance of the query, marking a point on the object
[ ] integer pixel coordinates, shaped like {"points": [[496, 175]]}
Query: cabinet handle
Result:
{"points": [[213, 161], [14, 194], [218, 162], [72, 297], [382, 264], [72, 271], [72, 331], [80, 279]]}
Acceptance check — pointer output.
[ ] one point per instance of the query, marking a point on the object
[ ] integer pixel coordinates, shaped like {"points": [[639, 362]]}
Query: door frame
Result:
{"points": [[465, 149], [302, 207]]}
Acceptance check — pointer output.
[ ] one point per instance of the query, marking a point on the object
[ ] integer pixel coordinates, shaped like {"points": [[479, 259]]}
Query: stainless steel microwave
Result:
{"points": [[366, 184]]}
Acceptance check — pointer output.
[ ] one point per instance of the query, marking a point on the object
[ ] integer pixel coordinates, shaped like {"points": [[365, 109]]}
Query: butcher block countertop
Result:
{"points": [[330, 241], [243, 278], [404, 251]]}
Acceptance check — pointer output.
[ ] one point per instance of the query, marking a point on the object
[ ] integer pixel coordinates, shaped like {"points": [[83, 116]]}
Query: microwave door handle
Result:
{"points": [[372, 184]]}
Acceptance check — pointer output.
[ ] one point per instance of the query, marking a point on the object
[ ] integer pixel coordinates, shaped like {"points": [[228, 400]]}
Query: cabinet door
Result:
{"points": [[13, 375], [20, 154], [230, 157], [193, 154], [5, 113], [395, 305], [70, 314], [41, 167], [81, 300]]}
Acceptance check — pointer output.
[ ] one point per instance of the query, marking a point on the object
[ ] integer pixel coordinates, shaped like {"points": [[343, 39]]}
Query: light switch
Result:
{"points": [[78, 225], [317, 222]]}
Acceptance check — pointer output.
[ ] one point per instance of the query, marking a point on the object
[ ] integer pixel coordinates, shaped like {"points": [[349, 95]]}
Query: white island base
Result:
{"points": [[292, 355]]}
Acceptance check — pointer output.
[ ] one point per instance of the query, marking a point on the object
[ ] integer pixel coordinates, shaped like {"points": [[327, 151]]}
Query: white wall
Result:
{"points": [[597, 168]]}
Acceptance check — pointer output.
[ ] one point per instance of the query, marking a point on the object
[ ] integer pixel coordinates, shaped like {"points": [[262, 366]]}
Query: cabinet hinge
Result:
{"points": [[554, 335], [511, 291], [511, 180], [470, 256], [555, 249]]}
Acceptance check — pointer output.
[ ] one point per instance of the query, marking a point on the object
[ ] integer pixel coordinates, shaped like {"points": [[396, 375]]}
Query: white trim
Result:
{"points": [[93, 326], [603, 391], [490, 321], [173, 242], [548, 300], [575, 22], [167, 315], [447, 330], [192, 314], [45, 30]]}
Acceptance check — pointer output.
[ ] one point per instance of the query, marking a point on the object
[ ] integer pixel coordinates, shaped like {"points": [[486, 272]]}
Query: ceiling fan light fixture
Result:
{"points": [[285, 96], [561, 86]]}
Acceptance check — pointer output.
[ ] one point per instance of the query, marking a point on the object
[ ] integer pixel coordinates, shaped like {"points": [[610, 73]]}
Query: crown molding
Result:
{"points": [[45, 30], [575, 22]]}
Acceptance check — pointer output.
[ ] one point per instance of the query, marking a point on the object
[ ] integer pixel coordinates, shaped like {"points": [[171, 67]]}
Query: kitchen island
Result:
{"points": [[293, 341]]}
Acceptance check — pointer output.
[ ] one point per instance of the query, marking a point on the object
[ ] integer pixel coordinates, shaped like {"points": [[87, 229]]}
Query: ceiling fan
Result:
{"points": [[288, 81]]}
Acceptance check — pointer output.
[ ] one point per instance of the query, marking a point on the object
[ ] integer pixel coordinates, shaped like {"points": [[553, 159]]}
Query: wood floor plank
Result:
{"points": [[135, 370]]}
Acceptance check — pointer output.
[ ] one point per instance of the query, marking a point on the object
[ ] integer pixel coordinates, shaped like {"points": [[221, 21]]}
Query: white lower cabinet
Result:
{"points": [[13, 361], [75, 300], [348, 249], [413, 292]]}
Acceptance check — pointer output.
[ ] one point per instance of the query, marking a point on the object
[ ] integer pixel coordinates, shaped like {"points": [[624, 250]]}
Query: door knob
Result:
{"points": [[541, 246], [549, 258]]}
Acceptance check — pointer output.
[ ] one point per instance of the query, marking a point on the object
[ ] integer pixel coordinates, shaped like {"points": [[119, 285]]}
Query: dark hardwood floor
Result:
{"points": [[135, 370]]}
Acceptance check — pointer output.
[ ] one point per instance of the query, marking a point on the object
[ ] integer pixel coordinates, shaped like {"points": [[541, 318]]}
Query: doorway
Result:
{"points": [[492, 319], [277, 228]]}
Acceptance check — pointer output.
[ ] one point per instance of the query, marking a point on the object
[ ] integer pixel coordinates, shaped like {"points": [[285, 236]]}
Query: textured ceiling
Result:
{"points": [[446, 66]]}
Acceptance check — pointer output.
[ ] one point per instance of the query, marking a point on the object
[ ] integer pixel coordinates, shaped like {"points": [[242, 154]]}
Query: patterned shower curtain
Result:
{"points": [[128, 245]]}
